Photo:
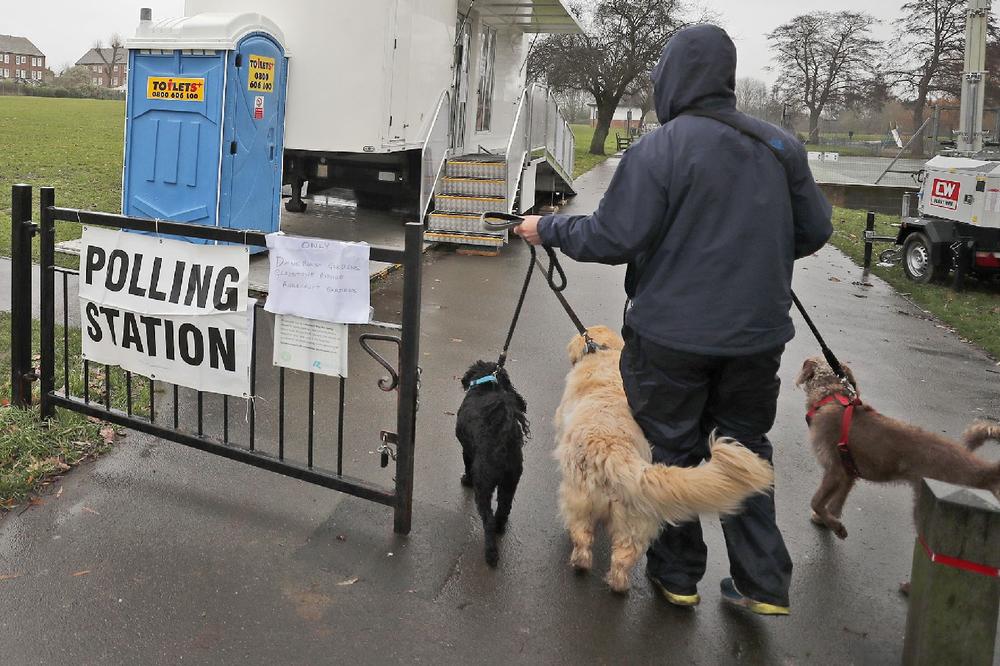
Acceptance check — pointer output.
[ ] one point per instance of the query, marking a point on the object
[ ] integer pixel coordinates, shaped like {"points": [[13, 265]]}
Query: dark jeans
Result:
{"points": [[679, 399]]}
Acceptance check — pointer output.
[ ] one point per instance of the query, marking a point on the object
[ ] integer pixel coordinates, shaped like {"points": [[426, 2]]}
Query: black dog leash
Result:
{"points": [[828, 354], [555, 277]]}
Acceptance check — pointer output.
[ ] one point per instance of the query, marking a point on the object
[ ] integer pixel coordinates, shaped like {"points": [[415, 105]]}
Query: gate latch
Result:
{"points": [[386, 448]]}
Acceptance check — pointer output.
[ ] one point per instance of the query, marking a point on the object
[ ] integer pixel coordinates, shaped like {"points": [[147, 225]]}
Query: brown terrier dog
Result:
{"points": [[880, 448]]}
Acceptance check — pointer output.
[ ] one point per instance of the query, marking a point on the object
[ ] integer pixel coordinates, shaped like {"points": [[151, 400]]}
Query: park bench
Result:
{"points": [[623, 141]]}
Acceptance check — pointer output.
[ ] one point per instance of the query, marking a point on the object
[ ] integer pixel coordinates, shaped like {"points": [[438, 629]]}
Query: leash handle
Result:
{"points": [[497, 221], [555, 269]]}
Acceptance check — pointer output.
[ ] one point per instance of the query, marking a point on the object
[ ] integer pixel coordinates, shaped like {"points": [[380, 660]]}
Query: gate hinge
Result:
{"points": [[239, 59], [232, 148], [30, 227]]}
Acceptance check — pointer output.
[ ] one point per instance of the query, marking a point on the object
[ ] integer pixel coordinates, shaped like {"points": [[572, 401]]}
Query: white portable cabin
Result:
{"points": [[420, 103]]}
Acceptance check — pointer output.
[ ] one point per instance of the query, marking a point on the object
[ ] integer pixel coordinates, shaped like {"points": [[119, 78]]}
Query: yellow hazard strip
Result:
{"points": [[487, 164], [455, 215], [465, 198]]}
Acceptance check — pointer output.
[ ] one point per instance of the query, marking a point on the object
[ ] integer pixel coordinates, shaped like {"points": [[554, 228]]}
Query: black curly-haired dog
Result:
{"points": [[491, 426]]}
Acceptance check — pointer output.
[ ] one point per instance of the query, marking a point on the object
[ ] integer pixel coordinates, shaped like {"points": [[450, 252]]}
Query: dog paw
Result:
{"points": [[618, 581], [492, 557], [466, 480], [581, 560], [816, 520], [904, 588], [839, 530]]}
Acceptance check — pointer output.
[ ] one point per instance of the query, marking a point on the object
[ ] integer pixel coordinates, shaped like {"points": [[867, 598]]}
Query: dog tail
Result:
{"points": [[980, 432], [679, 494]]}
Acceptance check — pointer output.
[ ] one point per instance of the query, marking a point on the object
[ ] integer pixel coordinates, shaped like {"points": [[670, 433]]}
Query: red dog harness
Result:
{"points": [[845, 428]]}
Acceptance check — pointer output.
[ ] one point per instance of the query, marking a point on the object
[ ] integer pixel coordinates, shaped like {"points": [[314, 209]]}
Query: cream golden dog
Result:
{"points": [[607, 473]]}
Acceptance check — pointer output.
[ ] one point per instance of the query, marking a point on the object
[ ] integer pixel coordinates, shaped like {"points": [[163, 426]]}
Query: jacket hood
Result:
{"points": [[697, 69]]}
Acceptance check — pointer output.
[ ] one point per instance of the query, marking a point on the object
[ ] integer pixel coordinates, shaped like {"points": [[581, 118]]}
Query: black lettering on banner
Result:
{"points": [[226, 298], [133, 284], [150, 323], [226, 349], [168, 329], [175, 289], [95, 261], [130, 336], [111, 314], [94, 327], [198, 285], [112, 283], [154, 281], [191, 344]]}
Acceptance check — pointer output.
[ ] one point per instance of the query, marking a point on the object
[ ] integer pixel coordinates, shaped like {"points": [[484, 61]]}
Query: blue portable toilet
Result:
{"points": [[205, 117]]}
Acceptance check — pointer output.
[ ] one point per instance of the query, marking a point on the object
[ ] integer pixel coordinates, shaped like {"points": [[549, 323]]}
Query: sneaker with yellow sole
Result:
{"points": [[683, 600], [733, 596]]}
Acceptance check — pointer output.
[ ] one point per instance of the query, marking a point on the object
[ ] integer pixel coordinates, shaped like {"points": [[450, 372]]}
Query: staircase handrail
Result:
{"points": [[432, 166], [518, 147], [539, 125]]}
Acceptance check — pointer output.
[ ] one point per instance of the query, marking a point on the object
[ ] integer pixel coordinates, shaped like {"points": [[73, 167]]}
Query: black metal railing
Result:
{"points": [[116, 402]]}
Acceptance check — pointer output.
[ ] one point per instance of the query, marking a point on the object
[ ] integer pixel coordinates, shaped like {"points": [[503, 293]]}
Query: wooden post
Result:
{"points": [[953, 610]]}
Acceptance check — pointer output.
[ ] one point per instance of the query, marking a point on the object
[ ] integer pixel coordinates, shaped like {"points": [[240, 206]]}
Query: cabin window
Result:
{"points": [[487, 61]]}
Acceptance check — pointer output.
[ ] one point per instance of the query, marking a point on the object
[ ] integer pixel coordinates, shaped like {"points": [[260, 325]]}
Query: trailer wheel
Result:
{"points": [[917, 263]]}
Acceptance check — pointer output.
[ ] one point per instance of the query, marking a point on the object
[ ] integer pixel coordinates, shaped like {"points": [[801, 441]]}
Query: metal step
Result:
{"points": [[476, 168], [461, 238], [453, 203], [473, 187], [468, 223]]}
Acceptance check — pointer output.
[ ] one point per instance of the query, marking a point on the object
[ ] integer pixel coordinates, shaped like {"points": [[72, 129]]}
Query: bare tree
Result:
{"points": [[928, 53], [824, 58], [110, 56], [751, 96], [621, 44]]}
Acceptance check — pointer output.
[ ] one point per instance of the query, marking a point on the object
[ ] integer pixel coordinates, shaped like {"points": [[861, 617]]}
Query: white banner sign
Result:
{"points": [[310, 346], [319, 279], [168, 310]]}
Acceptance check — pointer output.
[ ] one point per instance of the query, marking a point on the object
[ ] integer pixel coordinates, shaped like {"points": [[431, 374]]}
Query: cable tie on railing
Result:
{"points": [[251, 407]]}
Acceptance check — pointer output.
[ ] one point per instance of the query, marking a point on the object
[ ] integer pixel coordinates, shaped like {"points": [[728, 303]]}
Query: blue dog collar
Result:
{"points": [[488, 379]]}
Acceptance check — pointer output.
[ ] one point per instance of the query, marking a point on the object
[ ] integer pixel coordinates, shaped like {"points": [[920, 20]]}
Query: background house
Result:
{"points": [[20, 59], [625, 115], [102, 72]]}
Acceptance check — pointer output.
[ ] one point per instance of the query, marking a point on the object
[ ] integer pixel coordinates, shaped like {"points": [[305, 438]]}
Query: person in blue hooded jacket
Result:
{"points": [[710, 214]]}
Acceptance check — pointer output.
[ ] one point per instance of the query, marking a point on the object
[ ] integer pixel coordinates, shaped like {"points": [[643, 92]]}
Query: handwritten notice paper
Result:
{"points": [[319, 279], [310, 346]]}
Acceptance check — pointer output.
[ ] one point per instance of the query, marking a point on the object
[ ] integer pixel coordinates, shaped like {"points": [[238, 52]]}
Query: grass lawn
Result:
{"points": [[74, 145], [583, 160], [32, 451], [974, 314]]}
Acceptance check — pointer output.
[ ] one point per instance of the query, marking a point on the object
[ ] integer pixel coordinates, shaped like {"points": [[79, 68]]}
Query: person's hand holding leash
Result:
{"points": [[528, 230]]}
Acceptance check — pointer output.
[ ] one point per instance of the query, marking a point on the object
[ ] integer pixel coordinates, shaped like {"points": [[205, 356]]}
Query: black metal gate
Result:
{"points": [[94, 398]]}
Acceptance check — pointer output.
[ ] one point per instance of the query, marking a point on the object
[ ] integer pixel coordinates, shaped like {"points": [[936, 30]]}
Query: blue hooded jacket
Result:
{"points": [[731, 218]]}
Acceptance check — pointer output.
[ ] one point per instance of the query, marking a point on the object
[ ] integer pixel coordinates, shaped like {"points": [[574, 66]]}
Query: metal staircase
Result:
{"points": [[458, 189], [472, 184]]}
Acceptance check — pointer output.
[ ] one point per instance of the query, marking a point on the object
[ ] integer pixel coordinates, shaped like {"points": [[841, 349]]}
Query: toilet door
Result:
{"points": [[172, 137], [252, 135]]}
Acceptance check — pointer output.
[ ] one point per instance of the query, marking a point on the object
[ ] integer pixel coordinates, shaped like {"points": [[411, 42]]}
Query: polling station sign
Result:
{"points": [[168, 310]]}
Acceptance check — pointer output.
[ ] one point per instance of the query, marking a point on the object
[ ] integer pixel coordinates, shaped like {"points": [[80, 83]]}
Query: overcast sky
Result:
{"points": [[65, 29]]}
